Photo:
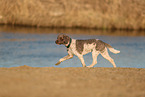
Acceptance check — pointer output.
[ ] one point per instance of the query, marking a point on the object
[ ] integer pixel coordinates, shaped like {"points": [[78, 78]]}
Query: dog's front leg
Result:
{"points": [[82, 60], [69, 56]]}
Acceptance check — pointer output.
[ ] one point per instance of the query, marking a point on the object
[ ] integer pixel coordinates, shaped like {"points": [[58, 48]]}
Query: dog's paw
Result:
{"points": [[90, 66], [57, 63]]}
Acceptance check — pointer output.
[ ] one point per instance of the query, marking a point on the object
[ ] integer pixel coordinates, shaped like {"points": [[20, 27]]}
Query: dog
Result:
{"points": [[82, 47]]}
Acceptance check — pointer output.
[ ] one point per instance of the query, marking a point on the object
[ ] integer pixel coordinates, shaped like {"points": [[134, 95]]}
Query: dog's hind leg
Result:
{"points": [[106, 56], [94, 56]]}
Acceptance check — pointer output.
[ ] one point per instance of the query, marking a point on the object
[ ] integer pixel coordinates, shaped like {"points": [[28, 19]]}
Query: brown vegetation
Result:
{"points": [[104, 14]]}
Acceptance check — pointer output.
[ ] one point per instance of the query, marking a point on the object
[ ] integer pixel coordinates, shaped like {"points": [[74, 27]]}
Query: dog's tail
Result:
{"points": [[112, 49]]}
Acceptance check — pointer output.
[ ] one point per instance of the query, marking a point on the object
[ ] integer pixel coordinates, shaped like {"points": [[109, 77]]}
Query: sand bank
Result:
{"points": [[25, 81]]}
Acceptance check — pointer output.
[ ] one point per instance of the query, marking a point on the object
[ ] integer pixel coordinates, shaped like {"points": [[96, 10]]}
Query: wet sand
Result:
{"points": [[25, 81]]}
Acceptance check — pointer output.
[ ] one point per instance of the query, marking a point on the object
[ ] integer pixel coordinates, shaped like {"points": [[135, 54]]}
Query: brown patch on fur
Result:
{"points": [[80, 44], [100, 45]]}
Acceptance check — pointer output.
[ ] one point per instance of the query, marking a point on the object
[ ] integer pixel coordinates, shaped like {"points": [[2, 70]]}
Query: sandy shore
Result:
{"points": [[25, 81]]}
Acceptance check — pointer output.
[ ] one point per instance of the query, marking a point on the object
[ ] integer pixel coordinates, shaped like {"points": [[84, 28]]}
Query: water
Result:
{"points": [[40, 50]]}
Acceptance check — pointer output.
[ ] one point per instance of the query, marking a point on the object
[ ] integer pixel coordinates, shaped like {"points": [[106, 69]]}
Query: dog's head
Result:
{"points": [[62, 39]]}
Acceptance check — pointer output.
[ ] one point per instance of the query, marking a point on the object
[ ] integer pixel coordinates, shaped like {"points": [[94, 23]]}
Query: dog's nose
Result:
{"points": [[56, 41]]}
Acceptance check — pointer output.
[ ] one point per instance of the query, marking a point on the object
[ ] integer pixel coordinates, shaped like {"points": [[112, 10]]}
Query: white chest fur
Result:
{"points": [[72, 48]]}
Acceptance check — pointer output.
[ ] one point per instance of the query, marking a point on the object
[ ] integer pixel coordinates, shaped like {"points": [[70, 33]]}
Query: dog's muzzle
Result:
{"points": [[57, 42]]}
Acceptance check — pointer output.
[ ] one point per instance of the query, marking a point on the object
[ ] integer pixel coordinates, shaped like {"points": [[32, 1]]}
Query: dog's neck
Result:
{"points": [[69, 43]]}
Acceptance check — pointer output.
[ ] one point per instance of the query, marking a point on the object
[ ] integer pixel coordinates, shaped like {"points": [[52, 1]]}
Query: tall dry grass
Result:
{"points": [[104, 14]]}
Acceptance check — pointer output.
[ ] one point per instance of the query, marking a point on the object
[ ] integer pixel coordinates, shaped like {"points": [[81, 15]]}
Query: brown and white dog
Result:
{"points": [[82, 47]]}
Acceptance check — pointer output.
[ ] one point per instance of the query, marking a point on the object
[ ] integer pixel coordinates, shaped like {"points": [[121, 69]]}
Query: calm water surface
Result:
{"points": [[40, 50]]}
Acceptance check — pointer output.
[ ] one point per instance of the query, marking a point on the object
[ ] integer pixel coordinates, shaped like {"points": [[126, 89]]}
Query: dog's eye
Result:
{"points": [[61, 38]]}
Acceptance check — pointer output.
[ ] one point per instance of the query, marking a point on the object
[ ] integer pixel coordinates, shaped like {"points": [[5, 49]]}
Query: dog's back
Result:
{"points": [[86, 46]]}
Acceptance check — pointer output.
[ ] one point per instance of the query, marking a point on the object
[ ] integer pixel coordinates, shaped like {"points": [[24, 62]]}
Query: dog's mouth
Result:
{"points": [[57, 42]]}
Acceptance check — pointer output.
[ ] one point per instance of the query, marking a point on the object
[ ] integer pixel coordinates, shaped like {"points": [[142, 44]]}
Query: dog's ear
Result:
{"points": [[66, 39]]}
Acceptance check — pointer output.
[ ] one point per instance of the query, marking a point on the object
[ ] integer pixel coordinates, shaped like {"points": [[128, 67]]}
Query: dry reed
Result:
{"points": [[104, 14]]}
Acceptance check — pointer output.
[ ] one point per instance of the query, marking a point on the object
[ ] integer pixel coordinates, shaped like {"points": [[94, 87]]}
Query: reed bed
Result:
{"points": [[100, 14]]}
